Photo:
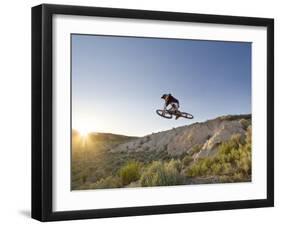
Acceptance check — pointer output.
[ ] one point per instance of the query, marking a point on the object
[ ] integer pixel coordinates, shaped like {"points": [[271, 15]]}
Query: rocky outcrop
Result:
{"points": [[205, 137]]}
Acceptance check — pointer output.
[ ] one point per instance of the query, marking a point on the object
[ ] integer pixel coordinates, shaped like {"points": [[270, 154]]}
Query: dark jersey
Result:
{"points": [[170, 99]]}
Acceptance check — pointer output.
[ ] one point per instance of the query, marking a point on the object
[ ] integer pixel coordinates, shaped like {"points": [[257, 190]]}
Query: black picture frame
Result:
{"points": [[42, 106]]}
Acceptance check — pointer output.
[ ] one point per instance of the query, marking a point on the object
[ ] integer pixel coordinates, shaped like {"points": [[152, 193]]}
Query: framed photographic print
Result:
{"points": [[145, 112]]}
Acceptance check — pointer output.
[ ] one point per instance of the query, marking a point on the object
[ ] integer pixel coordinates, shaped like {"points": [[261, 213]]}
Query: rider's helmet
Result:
{"points": [[164, 96]]}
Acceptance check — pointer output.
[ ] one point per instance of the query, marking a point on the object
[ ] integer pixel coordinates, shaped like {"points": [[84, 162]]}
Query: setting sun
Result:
{"points": [[84, 131]]}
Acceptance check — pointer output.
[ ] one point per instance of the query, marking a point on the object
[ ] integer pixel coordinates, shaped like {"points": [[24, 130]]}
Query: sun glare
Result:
{"points": [[84, 132]]}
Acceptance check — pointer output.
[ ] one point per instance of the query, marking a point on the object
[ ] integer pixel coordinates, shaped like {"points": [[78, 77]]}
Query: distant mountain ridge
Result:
{"points": [[98, 141]]}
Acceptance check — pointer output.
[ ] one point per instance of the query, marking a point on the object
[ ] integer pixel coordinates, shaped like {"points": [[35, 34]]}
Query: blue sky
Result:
{"points": [[117, 82]]}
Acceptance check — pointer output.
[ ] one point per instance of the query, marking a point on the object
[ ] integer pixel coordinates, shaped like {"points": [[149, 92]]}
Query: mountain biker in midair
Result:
{"points": [[170, 100]]}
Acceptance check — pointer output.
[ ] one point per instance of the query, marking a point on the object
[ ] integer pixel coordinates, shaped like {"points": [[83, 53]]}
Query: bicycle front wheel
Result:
{"points": [[164, 114]]}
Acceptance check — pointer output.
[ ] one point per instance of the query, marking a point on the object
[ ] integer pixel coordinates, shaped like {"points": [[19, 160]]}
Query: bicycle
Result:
{"points": [[169, 113]]}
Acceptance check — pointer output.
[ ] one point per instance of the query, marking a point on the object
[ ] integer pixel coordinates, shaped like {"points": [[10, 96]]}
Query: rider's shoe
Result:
{"points": [[177, 116]]}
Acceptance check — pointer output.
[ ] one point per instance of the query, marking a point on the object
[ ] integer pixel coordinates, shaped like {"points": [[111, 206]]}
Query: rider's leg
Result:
{"points": [[176, 109]]}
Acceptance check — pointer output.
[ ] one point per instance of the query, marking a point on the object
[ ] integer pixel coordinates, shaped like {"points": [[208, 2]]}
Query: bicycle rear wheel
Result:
{"points": [[164, 114], [186, 115]]}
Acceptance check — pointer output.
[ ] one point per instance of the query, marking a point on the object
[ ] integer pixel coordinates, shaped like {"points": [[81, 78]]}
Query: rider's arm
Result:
{"points": [[165, 105]]}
